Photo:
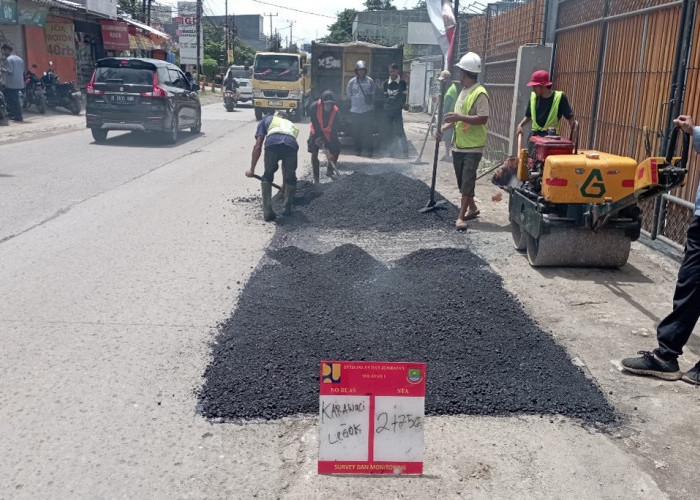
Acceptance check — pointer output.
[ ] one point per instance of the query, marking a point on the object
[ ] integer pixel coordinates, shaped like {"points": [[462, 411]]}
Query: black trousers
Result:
{"points": [[14, 108], [281, 153], [674, 330], [363, 129], [395, 140]]}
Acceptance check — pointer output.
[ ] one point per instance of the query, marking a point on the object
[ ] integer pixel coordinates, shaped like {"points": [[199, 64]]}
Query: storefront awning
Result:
{"points": [[146, 27]]}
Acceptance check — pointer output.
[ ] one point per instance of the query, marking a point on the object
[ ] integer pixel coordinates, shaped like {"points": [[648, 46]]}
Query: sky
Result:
{"points": [[310, 18]]}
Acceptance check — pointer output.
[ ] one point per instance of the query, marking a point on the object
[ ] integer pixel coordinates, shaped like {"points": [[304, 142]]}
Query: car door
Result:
{"points": [[186, 100]]}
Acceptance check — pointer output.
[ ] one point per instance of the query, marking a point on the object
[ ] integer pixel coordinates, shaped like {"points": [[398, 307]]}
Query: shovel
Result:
{"points": [[256, 176]]}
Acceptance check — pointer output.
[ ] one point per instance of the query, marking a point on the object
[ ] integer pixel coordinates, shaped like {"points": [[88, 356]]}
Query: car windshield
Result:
{"points": [[124, 76], [240, 73], [276, 67]]}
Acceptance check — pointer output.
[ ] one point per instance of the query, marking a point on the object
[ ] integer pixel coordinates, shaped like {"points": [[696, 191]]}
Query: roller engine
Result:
{"points": [[580, 208]]}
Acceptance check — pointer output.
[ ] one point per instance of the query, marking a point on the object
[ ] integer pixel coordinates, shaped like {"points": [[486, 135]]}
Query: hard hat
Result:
{"points": [[540, 77], [360, 65], [470, 62]]}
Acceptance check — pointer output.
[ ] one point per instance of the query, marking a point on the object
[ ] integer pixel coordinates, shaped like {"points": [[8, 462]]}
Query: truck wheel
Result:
{"points": [[297, 115], [258, 113], [99, 134]]}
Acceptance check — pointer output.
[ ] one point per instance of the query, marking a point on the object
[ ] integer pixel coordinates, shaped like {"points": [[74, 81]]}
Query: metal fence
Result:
{"points": [[615, 60]]}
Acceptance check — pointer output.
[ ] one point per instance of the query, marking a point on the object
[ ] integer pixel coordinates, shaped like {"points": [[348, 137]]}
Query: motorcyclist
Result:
{"points": [[230, 83]]}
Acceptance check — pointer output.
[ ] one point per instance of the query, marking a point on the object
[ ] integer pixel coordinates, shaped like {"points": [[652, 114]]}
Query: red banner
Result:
{"points": [[371, 417], [115, 35]]}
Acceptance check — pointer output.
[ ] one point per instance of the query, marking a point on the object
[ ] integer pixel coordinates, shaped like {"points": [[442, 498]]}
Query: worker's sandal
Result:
{"points": [[472, 215], [461, 224]]}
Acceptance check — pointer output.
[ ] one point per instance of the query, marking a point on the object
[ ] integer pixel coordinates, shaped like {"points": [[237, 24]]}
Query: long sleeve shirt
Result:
{"points": [[14, 77]]}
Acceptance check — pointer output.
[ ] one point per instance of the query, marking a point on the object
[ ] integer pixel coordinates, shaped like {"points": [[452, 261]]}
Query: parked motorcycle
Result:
{"points": [[33, 92], [64, 95], [3, 110], [231, 99]]}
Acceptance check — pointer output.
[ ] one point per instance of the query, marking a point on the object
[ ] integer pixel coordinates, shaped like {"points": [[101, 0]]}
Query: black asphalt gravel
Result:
{"points": [[444, 307], [362, 202]]}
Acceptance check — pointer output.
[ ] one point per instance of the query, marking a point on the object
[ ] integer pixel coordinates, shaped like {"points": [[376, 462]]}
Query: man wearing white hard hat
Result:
{"points": [[468, 119]]}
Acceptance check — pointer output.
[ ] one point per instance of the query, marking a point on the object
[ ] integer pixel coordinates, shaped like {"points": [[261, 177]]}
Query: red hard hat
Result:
{"points": [[540, 77]]}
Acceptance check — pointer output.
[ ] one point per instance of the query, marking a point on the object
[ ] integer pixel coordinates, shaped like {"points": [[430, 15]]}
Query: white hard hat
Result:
{"points": [[470, 62]]}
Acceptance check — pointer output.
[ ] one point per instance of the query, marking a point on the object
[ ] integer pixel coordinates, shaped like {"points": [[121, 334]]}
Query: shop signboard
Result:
{"points": [[187, 31], [8, 12], [31, 14], [60, 39], [371, 417], [115, 35]]}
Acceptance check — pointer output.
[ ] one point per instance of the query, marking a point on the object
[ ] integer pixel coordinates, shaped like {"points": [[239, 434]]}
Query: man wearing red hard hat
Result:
{"points": [[546, 106]]}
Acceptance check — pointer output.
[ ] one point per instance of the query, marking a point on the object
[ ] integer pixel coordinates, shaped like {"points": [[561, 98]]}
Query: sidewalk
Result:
{"points": [[60, 121]]}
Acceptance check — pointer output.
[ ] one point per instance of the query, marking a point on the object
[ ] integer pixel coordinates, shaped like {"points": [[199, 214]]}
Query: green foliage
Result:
{"points": [[379, 5], [132, 7], [242, 53], [341, 30], [210, 68]]}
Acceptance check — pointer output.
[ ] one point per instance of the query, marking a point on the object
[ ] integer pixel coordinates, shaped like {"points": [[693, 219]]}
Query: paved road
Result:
{"points": [[117, 263]]}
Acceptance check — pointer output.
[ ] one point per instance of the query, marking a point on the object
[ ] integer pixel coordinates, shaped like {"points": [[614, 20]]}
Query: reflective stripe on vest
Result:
{"points": [[319, 116], [279, 125], [552, 119], [470, 136]]}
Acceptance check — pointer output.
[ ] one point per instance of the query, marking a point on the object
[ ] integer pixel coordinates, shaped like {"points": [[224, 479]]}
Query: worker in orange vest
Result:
{"points": [[325, 128]]}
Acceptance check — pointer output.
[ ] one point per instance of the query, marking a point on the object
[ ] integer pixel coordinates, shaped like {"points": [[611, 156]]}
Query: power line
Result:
{"points": [[295, 10]]}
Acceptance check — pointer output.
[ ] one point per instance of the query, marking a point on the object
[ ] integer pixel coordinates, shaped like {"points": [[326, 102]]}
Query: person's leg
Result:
{"points": [[675, 329], [13, 104], [471, 163], [271, 161], [458, 164], [289, 171], [356, 131], [312, 148], [368, 133], [401, 135]]}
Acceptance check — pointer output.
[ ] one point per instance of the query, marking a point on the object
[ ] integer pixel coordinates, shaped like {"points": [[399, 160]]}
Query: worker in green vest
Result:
{"points": [[468, 121], [546, 106]]}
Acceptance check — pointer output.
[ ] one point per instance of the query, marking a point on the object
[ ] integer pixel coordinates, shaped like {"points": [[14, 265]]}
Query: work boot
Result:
{"points": [[266, 189], [649, 364], [289, 193], [315, 169]]}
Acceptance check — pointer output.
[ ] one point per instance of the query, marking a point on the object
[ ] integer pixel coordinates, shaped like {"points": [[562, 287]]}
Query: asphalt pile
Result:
{"points": [[444, 307], [383, 202]]}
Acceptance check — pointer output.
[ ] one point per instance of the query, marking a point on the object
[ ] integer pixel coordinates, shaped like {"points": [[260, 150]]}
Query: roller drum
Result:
{"points": [[579, 247]]}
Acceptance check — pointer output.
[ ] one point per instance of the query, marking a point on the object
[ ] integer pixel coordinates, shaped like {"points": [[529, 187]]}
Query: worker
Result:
{"points": [[674, 330], [395, 90], [324, 132], [546, 106], [468, 120], [447, 106], [280, 138], [360, 90]]}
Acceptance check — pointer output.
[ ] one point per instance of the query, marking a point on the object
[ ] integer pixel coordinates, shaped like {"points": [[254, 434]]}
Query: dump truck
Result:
{"points": [[280, 82], [581, 208], [333, 65]]}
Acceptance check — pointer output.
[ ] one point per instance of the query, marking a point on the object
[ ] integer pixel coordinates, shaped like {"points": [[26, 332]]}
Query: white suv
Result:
{"points": [[245, 85]]}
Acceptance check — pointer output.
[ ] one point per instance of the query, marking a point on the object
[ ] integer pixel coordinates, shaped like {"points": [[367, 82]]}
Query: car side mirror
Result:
{"points": [[195, 87]]}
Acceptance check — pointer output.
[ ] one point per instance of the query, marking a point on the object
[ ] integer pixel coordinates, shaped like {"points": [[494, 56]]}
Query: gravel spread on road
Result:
{"points": [[444, 307]]}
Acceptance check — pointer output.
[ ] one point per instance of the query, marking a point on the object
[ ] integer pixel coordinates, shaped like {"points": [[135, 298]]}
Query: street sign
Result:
{"points": [[371, 417]]}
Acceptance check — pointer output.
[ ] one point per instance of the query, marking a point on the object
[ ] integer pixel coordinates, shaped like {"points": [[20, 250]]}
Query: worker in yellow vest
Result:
{"points": [[546, 106], [468, 119], [280, 138]]}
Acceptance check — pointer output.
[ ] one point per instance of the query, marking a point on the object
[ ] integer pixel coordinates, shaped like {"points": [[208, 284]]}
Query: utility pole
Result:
{"points": [[226, 29], [199, 34], [291, 38], [271, 16], [148, 18]]}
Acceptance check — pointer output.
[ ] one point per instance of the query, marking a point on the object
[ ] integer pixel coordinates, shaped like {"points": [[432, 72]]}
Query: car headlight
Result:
{"points": [[294, 94], [257, 93]]}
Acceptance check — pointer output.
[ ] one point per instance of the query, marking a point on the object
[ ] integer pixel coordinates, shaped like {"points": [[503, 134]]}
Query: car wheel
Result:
{"points": [[173, 134], [75, 107], [198, 126], [99, 134], [41, 105], [258, 114]]}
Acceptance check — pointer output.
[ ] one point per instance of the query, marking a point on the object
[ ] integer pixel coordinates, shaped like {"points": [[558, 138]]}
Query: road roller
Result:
{"points": [[581, 208]]}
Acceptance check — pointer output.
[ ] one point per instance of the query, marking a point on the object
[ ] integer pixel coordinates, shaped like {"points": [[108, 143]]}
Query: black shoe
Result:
{"points": [[648, 364], [692, 376]]}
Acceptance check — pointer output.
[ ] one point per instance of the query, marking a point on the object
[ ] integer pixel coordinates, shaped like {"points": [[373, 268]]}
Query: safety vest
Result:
{"points": [[279, 125], [552, 119], [470, 136], [319, 116]]}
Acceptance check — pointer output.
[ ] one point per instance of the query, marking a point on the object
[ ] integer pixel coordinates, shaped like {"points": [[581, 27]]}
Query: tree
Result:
{"points": [[379, 5], [210, 68], [341, 30]]}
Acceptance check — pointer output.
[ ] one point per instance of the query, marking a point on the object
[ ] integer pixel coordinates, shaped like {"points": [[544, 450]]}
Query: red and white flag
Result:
{"points": [[442, 17]]}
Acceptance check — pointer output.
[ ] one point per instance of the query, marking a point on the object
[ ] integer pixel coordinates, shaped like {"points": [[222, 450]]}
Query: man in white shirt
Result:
{"points": [[14, 81]]}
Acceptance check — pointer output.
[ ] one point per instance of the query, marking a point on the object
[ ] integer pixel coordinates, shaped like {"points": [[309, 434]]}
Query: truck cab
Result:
{"points": [[280, 82]]}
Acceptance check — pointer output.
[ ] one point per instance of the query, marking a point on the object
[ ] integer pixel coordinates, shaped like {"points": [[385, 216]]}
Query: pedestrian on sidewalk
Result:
{"points": [[280, 139], [674, 330], [360, 90], [324, 132], [395, 91], [14, 76], [469, 118]]}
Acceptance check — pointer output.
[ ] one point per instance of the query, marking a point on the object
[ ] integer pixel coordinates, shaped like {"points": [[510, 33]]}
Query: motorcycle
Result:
{"points": [[64, 95], [33, 92], [231, 99], [3, 110]]}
